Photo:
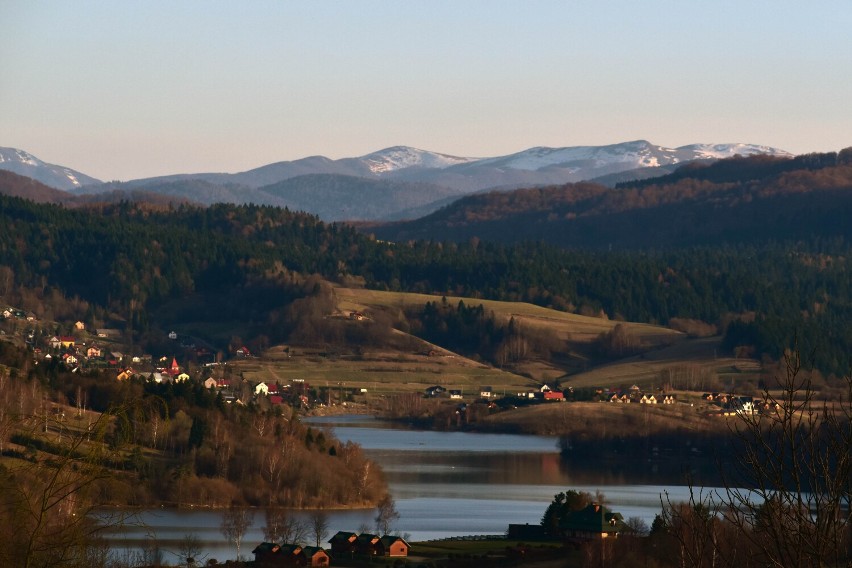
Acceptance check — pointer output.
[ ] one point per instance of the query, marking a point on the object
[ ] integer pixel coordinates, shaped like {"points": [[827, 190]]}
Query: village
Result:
{"points": [[575, 529]]}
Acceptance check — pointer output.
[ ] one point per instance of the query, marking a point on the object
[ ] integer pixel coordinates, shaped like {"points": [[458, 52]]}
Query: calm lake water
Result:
{"points": [[445, 484]]}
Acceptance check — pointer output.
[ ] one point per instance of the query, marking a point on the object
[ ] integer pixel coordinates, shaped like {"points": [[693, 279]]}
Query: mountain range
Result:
{"points": [[51, 175], [394, 183]]}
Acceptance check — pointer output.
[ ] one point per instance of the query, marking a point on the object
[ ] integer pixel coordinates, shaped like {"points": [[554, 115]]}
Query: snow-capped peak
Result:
{"points": [[720, 151], [626, 155], [402, 157], [26, 164]]}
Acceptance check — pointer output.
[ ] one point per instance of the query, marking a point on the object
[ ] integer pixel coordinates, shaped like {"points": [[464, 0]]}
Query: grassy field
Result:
{"points": [[566, 326], [381, 372], [413, 365], [596, 418]]}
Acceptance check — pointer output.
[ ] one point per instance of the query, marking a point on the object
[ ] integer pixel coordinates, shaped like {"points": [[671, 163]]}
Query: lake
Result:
{"points": [[445, 484]]}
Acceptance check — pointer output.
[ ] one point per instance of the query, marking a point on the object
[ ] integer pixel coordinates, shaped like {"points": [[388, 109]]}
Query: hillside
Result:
{"points": [[16, 185], [264, 276], [740, 200]]}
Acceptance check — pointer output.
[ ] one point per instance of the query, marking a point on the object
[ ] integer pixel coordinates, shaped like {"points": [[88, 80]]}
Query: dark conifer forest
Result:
{"points": [[757, 246]]}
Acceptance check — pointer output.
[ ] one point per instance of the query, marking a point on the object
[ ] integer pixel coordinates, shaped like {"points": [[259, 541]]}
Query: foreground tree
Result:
{"points": [[787, 489], [48, 501], [796, 458]]}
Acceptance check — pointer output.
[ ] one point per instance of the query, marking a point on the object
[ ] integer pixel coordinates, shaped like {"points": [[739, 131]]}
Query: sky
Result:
{"points": [[130, 89]]}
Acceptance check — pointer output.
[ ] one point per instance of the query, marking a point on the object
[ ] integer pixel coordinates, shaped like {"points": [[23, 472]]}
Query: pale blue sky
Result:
{"points": [[121, 89]]}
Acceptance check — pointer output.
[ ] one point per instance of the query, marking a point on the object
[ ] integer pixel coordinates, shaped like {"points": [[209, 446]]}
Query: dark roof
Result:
{"points": [[388, 540], [290, 549], [594, 518], [343, 535], [310, 551], [265, 547]]}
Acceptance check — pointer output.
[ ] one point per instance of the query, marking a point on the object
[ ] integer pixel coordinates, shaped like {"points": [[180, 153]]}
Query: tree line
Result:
{"points": [[263, 267]]}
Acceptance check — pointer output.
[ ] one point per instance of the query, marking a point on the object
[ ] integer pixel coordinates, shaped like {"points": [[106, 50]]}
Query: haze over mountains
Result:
{"points": [[394, 183]]}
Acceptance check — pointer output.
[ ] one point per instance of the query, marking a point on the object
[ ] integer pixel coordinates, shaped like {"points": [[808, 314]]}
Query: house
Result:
{"points": [[172, 335], [174, 368], [593, 522], [69, 359], [648, 399], [79, 326], [315, 556], [109, 333], [261, 389], [66, 341], [744, 404], [435, 390], [455, 393], [669, 399], [93, 352], [486, 392], [344, 543], [553, 395], [210, 383], [265, 553], [54, 342], [125, 374], [369, 545], [276, 399], [181, 378], [357, 316], [223, 383], [394, 546], [243, 352], [270, 554]]}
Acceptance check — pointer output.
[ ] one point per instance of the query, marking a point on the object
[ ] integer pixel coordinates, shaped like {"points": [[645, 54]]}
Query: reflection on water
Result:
{"points": [[448, 484]]}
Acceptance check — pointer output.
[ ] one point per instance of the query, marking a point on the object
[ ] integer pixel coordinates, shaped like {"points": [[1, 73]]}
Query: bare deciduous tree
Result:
{"points": [[189, 550], [787, 489], [47, 505], [796, 463], [282, 527], [235, 522], [319, 526], [386, 515]]}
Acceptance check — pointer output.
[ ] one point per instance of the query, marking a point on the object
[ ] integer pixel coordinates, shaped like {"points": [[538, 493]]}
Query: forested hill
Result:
{"points": [[16, 185], [739, 200], [250, 268]]}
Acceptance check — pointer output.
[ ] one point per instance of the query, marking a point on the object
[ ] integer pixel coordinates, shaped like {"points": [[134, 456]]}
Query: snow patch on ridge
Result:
{"points": [[402, 157], [720, 151]]}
